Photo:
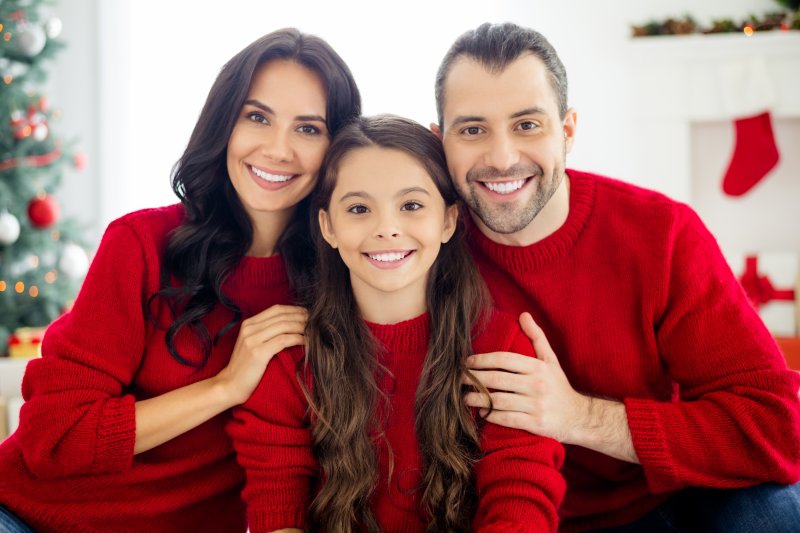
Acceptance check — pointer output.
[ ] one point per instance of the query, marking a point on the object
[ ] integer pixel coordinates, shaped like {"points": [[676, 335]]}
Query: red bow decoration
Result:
{"points": [[759, 288]]}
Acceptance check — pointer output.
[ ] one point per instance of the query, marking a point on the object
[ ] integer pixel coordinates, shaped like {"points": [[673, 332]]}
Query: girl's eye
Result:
{"points": [[255, 116], [308, 129], [411, 206], [358, 209]]}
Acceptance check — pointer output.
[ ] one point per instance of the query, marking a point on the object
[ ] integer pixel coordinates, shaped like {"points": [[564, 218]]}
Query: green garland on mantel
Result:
{"points": [[781, 21]]}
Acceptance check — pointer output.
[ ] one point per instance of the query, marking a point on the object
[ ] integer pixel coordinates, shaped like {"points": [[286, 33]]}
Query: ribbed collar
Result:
{"points": [[407, 336], [553, 247]]}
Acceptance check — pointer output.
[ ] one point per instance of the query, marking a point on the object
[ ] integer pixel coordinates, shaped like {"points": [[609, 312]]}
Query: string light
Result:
{"points": [[34, 260], [55, 235], [33, 291], [7, 36], [19, 287], [8, 78], [1, 26], [2, 286], [51, 277]]}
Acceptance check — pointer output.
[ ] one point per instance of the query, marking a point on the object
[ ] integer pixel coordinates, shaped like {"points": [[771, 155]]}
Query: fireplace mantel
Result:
{"points": [[680, 80]]}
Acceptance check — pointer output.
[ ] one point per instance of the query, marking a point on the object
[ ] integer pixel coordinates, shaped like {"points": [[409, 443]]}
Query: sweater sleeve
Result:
{"points": [[272, 437], [77, 417], [518, 479], [738, 419]]}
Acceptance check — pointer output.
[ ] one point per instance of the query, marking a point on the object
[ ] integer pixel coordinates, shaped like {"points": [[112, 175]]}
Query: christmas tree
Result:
{"points": [[42, 259]]}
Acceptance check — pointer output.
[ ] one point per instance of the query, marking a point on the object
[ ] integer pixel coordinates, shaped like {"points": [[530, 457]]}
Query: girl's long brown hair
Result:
{"points": [[343, 361]]}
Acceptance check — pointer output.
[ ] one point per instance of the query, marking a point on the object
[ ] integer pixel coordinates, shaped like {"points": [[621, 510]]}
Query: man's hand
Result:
{"points": [[536, 396]]}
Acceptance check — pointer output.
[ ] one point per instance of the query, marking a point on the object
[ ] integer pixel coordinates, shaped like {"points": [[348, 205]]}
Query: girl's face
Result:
{"points": [[279, 140], [388, 221]]}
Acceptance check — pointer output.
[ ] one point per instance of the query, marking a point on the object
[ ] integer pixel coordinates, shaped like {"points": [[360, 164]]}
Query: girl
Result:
{"points": [[123, 428], [377, 398]]}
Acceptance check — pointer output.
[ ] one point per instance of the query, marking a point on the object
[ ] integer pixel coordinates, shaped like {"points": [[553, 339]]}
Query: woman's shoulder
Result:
{"points": [[150, 227], [154, 220]]}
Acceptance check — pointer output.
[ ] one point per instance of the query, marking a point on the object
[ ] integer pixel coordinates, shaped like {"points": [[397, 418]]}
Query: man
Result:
{"points": [[656, 372]]}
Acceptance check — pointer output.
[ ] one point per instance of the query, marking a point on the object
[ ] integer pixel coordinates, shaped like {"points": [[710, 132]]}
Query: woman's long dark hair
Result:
{"points": [[216, 232], [342, 360]]}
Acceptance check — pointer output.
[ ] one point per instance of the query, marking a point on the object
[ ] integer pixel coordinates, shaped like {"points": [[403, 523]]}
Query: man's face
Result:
{"points": [[505, 142]]}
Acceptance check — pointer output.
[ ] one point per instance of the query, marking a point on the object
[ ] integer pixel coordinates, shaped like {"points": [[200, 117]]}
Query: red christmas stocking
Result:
{"points": [[754, 155]]}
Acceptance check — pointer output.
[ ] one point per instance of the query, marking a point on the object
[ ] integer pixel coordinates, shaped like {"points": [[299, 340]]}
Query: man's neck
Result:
{"points": [[552, 216]]}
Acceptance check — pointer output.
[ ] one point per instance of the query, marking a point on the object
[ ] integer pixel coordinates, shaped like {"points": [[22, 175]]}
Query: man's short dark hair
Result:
{"points": [[494, 46]]}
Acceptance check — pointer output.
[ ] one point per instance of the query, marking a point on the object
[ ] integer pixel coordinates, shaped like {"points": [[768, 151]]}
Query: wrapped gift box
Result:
{"points": [[772, 282]]}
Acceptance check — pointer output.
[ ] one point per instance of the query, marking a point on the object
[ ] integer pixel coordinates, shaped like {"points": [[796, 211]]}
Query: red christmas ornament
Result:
{"points": [[79, 160], [43, 211]]}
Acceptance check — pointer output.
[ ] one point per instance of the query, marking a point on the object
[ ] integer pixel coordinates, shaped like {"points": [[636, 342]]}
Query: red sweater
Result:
{"points": [[640, 306], [70, 466], [518, 480]]}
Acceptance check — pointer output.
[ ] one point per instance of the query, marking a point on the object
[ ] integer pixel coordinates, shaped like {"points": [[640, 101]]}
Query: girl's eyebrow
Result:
{"points": [[366, 196], [268, 110]]}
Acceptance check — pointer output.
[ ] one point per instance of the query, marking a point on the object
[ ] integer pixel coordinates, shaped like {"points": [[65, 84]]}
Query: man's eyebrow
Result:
{"points": [[535, 110], [464, 119], [268, 110]]}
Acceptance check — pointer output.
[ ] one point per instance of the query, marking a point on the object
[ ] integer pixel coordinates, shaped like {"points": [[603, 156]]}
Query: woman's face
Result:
{"points": [[279, 139]]}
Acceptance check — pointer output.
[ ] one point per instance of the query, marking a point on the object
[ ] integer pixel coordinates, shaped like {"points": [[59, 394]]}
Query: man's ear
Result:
{"points": [[570, 125], [326, 228], [450, 222], [436, 130]]}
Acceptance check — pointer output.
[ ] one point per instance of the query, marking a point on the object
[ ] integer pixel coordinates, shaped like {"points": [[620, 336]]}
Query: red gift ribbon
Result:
{"points": [[759, 288]]}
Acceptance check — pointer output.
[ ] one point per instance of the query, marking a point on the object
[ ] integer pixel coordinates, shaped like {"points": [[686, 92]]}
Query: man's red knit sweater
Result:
{"points": [[70, 466], [639, 305], [518, 481]]}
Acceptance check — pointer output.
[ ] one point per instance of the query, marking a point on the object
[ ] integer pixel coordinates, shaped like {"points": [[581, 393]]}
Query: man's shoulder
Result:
{"points": [[626, 200]]}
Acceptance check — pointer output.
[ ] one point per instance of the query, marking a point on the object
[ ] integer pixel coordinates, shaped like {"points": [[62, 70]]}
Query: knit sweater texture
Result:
{"points": [[70, 466], [518, 481], [640, 306]]}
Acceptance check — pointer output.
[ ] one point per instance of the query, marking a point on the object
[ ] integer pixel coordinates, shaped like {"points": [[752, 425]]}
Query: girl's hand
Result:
{"points": [[260, 337]]}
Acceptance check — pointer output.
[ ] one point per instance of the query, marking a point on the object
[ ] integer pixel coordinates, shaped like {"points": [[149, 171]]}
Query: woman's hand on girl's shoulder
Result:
{"points": [[260, 338]]}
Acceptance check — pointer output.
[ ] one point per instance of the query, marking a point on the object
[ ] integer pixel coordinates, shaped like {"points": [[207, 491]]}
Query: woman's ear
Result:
{"points": [[450, 222], [326, 228]]}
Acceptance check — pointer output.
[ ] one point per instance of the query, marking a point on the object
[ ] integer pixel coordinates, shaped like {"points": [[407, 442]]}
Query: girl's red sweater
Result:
{"points": [[518, 481]]}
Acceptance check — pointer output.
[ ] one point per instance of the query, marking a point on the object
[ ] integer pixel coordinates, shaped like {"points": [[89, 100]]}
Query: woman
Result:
{"points": [[368, 429], [123, 425]]}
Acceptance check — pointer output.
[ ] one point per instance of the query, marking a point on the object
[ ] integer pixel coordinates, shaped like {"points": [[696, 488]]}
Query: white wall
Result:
{"points": [[135, 74]]}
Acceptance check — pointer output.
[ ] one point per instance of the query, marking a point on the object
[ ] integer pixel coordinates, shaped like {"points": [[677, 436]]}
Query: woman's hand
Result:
{"points": [[260, 338]]}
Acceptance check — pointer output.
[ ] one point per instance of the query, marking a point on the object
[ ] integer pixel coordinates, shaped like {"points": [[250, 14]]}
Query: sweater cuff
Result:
{"points": [[650, 444], [116, 436], [262, 519]]}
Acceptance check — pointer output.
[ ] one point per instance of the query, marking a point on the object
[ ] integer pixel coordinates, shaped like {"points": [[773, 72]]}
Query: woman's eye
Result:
{"points": [[358, 209], [411, 206], [309, 130], [255, 116]]}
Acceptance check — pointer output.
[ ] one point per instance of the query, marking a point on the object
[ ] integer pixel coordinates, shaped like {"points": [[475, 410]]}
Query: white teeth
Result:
{"points": [[506, 187], [274, 178], [387, 257]]}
